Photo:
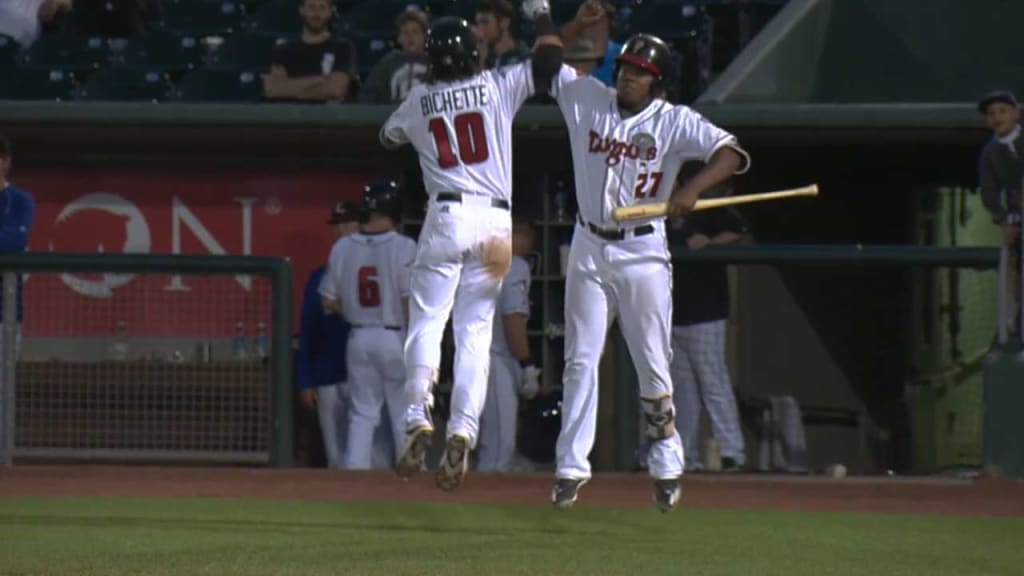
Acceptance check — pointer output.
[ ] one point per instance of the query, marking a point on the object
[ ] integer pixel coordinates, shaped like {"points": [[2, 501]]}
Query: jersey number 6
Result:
{"points": [[369, 289], [469, 135]]}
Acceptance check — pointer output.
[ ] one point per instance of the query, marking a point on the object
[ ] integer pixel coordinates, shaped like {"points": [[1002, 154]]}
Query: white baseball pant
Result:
{"points": [[701, 379], [376, 376], [630, 280], [497, 445], [462, 256]]}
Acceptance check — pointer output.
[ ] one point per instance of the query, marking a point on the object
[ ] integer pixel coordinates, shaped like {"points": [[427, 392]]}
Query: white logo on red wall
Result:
{"points": [[112, 223], [115, 224]]}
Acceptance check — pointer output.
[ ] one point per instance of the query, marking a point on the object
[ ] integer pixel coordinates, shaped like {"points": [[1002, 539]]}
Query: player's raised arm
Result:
{"points": [[547, 48]]}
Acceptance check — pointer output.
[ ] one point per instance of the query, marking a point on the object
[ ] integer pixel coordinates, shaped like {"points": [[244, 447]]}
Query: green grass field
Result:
{"points": [[206, 536]]}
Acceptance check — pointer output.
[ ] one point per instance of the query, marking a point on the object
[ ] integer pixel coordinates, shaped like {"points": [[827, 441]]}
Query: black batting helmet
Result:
{"points": [[383, 196], [452, 49], [648, 53]]}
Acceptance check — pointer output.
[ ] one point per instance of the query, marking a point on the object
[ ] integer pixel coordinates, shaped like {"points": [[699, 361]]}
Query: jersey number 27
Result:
{"points": [[469, 135]]}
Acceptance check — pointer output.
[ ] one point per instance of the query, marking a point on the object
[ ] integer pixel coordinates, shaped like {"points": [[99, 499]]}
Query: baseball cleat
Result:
{"points": [[566, 491], [667, 493], [414, 456], [454, 463]]}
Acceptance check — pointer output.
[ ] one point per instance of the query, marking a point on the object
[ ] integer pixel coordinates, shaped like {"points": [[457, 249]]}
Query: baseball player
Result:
{"points": [[367, 280], [628, 144], [513, 372], [322, 374], [460, 124]]}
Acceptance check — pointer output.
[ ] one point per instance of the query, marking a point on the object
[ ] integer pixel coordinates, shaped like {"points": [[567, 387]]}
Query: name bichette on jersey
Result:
{"points": [[454, 100]]}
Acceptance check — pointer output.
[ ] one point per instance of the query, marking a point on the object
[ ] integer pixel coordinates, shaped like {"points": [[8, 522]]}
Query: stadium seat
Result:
{"points": [[668, 19], [40, 84], [120, 84], [198, 18], [66, 51], [245, 52], [162, 52], [377, 18], [220, 86], [8, 50], [369, 51], [276, 17]]}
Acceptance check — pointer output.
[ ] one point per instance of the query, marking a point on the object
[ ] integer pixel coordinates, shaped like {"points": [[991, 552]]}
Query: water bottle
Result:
{"points": [[119, 349], [560, 202], [260, 344], [238, 345]]}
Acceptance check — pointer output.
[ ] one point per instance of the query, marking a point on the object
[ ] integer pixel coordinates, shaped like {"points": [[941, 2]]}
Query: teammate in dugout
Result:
{"points": [[513, 372], [627, 145], [367, 281], [322, 375], [460, 124]]}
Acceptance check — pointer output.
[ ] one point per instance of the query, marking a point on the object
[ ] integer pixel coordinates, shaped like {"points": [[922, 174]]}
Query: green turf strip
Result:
{"points": [[93, 536]]}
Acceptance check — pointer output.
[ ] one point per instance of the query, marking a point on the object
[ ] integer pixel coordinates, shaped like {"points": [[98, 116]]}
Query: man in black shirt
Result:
{"points": [[700, 309], [315, 68]]}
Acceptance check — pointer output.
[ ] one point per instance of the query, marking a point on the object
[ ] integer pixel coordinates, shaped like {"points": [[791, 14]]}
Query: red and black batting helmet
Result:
{"points": [[648, 53]]}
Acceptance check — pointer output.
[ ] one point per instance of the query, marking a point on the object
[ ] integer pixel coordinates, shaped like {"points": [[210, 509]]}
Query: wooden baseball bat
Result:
{"points": [[656, 209]]}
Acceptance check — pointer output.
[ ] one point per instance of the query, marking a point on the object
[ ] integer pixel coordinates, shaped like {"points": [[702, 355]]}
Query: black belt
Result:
{"points": [[376, 326], [457, 197], [616, 234]]}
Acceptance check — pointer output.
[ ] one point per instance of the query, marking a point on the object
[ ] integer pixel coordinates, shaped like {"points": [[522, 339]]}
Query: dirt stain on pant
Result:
{"points": [[496, 256]]}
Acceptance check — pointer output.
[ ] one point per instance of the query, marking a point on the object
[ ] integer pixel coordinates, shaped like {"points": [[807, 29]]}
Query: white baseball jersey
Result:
{"points": [[369, 275], [514, 299], [462, 130], [625, 161]]}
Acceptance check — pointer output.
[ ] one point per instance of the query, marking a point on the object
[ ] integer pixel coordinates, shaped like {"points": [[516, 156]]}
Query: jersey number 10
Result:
{"points": [[469, 135], [369, 289]]}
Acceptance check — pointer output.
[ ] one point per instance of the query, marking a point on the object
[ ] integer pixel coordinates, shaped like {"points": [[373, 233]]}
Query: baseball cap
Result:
{"points": [[345, 211], [1004, 96]]}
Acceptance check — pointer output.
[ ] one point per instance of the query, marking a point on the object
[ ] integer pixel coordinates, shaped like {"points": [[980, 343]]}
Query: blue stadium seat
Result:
{"points": [[69, 52], [161, 51], [245, 52], [220, 86], [39, 84], [121, 84], [213, 18]]}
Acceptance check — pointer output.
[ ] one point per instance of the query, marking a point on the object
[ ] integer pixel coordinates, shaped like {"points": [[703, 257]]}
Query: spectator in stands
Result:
{"points": [[316, 67], [596, 21], [323, 338], [114, 18], [1002, 168], [700, 310], [395, 75], [17, 214], [22, 20], [582, 56], [495, 26]]}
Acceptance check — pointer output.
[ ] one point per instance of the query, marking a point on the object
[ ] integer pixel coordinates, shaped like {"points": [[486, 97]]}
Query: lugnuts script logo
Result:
{"points": [[643, 147]]}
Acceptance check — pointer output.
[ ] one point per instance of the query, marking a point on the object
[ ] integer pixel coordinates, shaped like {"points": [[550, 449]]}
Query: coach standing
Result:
{"points": [[17, 212], [700, 311], [1001, 170]]}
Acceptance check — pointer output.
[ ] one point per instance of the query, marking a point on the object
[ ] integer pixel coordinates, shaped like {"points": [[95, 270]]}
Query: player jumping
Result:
{"points": [[460, 123]]}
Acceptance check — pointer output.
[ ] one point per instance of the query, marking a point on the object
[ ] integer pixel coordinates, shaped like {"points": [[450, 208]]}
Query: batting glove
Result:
{"points": [[534, 8], [529, 383]]}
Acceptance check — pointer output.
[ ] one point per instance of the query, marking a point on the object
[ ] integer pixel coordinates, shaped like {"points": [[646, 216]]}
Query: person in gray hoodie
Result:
{"points": [[394, 76]]}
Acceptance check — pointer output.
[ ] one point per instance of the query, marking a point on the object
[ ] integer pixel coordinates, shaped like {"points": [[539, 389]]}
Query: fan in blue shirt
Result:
{"points": [[17, 213]]}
